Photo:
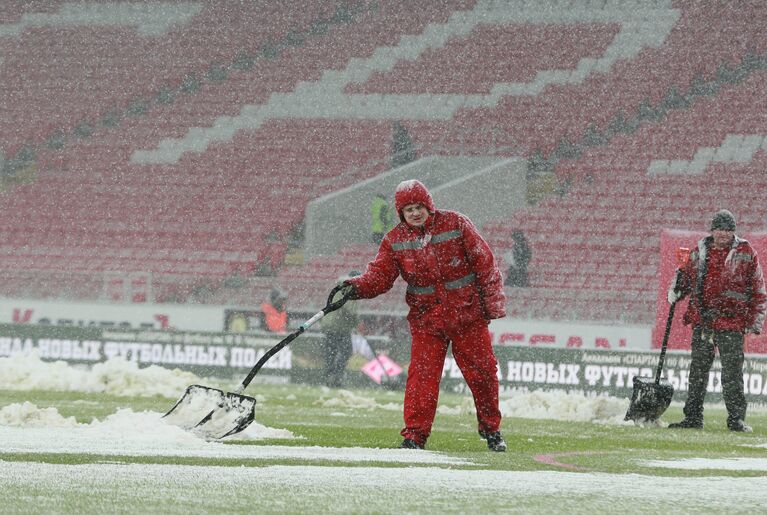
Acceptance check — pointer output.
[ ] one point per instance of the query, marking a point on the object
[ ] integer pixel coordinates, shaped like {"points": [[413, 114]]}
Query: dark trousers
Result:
{"points": [[338, 350], [730, 345]]}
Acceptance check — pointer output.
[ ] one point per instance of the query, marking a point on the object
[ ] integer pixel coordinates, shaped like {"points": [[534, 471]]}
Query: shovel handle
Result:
{"points": [[665, 338], [329, 306], [332, 306], [665, 343]]}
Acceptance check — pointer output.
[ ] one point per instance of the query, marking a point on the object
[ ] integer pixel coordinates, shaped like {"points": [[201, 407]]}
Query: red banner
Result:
{"points": [[670, 241]]}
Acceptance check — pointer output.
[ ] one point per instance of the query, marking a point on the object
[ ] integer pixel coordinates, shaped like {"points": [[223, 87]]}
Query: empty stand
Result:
{"points": [[604, 235], [212, 179], [65, 64]]}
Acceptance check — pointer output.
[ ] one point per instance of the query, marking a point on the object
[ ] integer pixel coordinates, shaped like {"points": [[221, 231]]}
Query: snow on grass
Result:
{"points": [[347, 399], [127, 433], [758, 464], [321, 489], [149, 436], [27, 429]]}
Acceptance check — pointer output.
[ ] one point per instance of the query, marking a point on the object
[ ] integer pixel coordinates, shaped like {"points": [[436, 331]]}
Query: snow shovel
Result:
{"points": [[651, 397], [213, 414]]}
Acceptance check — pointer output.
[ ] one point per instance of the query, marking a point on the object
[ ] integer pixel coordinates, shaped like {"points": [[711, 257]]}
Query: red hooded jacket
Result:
{"points": [[451, 273], [726, 287]]}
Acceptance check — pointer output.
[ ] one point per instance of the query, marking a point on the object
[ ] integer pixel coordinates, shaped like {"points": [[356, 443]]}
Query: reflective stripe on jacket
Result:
{"points": [[450, 270]]}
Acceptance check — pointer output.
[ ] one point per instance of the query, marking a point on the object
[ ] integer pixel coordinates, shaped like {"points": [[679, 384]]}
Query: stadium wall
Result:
{"points": [[482, 188]]}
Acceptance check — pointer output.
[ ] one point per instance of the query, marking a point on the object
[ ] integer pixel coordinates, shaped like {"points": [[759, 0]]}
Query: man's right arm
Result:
{"points": [[681, 284], [379, 275]]}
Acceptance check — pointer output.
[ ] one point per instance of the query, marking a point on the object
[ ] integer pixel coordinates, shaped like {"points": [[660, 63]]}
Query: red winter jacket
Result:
{"points": [[451, 273], [737, 300]]}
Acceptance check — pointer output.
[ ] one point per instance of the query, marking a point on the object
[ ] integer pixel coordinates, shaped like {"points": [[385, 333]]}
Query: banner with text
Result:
{"points": [[588, 371], [605, 373], [182, 317], [210, 354], [559, 335]]}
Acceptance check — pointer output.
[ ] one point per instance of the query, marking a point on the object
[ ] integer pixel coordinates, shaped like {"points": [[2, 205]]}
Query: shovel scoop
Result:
{"points": [[213, 414], [649, 399]]}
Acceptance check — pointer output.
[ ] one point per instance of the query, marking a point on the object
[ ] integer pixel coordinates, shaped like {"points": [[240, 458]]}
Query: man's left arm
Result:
{"points": [[758, 302], [489, 280]]}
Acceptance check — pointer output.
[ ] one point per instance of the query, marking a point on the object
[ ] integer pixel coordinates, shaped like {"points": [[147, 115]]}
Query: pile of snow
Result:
{"points": [[116, 376], [552, 405], [28, 414], [555, 405], [124, 424], [466, 407], [121, 377]]}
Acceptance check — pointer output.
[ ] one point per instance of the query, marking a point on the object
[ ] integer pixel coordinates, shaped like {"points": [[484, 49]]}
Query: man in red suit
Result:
{"points": [[727, 300], [454, 290]]}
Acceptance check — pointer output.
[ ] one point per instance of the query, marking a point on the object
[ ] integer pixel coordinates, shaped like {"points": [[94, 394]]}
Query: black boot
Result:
{"points": [[687, 423], [409, 443], [495, 441], [739, 426]]}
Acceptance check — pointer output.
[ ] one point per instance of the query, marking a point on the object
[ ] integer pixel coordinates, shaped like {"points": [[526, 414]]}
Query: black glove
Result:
{"points": [[347, 290]]}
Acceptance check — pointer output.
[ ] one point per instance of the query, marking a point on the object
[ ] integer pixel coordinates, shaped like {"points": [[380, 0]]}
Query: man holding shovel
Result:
{"points": [[454, 290], [727, 300]]}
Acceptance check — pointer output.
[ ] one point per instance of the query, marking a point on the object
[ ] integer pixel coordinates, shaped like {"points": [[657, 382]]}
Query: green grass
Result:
{"points": [[592, 447], [299, 409]]}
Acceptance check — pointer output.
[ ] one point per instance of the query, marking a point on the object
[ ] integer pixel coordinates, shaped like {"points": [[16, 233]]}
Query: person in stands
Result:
{"points": [[380, 218], [518, 259], [454, 288], [275, 312], [727, 299], [338, 327]]}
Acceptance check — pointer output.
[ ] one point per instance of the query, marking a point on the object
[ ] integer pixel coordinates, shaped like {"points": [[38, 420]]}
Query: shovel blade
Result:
{"points": [[211, 413], [649, 400]]}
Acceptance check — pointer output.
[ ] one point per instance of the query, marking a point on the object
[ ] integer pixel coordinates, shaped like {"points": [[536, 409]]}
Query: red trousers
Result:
{"points": [[473, 353]]}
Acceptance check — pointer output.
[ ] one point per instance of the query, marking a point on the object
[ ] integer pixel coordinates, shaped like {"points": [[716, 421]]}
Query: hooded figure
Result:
{"points": [[454, 288], [519, 259], [275, 314]]}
